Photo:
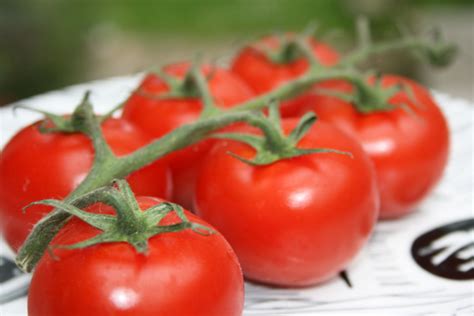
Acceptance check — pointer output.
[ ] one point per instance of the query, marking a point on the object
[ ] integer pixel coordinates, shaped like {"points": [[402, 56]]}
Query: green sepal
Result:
{"points": [[304, 151], [98, 239], [274, 145], [156, 213], [172, 81], [369, 98], [127, 195], [193, 85], [82, 113], [285, 53], [439, 53], [67, 124], [100, 221], [290, 49], [174, 93], [131, 225], [59, 123], [262, 158], [178, 88], [302, 128]]}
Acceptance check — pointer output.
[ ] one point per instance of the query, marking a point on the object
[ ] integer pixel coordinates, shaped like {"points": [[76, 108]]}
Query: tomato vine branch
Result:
{"points": [[107, 166], [437, 52]]}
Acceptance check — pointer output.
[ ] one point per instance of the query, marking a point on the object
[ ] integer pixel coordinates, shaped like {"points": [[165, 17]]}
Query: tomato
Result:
{"points": [[295, 222], [183, 273], [263, 75], [36, 166], [160, 116], [409, 146]]}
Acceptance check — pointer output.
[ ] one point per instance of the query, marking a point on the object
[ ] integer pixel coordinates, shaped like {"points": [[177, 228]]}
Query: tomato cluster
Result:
{"points": [[296, 221]]}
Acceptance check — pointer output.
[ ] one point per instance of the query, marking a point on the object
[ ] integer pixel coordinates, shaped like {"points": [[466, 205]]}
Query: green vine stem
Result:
{"points": [[200, 82], [107, 166], [131, 225], [303, 46], [436, 51]]}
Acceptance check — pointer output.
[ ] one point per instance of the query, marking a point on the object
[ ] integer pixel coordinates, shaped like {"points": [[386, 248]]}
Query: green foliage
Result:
{"points": [[44, 42]]}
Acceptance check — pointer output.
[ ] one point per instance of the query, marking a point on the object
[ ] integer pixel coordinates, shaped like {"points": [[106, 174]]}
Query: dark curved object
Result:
{"points": [[454, 265]]}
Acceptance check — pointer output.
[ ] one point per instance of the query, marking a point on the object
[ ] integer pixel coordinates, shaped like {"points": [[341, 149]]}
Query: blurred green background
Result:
{"points": [[47, 45]]}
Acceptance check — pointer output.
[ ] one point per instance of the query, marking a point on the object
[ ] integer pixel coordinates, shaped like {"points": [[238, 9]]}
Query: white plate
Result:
{"points": [[385, 277]]}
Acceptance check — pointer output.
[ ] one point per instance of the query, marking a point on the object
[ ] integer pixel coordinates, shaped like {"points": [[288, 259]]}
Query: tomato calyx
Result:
{"points": [[439, 53], [288, 48], [373, 98], [52, 123], [369, 95], [131, 225], [177, 87], [274, 145], [284, 53], [193, 85], [73, 123]]}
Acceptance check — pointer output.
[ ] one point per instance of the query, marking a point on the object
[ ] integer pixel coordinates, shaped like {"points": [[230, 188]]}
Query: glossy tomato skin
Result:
{"points": [[263, 75], [184, 273], [409, 148], [158, 117], [36, 166], [295, 222]]}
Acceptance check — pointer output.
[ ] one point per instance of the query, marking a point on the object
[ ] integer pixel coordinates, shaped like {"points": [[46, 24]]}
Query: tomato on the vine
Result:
{"points": [[158, 115], [297, 221], [408, 143], [36, 166], [262, 74], [183, 273]]}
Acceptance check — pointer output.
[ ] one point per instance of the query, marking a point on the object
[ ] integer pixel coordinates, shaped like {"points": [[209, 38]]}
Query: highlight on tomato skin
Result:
{"points": [[262, 74], [296, 222], [36, 166], [159, 116], [408, 144], [183, 273]]}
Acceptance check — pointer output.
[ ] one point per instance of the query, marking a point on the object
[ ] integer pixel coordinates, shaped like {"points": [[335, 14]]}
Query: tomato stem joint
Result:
{"points": [[274, 145], [131, 225]]}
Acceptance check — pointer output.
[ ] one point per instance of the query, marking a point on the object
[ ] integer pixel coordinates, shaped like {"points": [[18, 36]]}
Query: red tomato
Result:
{"points": [[295, 222], [159, 117], [36, 166], [263, 75], [408, 147], [184, 273]]}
